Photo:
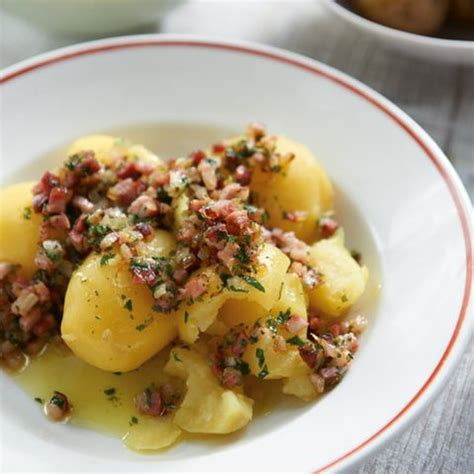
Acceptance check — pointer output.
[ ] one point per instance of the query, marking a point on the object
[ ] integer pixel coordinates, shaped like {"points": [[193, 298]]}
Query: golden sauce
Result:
{"points": [[94, 406]]}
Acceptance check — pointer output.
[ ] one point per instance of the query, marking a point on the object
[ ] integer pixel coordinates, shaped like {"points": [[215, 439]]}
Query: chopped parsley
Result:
{"points": [[186, 317], [242, 367], [111, 394], [105, 258], [176, 357], [128, 305], [283, 317], [39, 400], [272, 325], [344, 298], [296, 341], [27, 213], [253, 282], [133, 421], [261, 363]]}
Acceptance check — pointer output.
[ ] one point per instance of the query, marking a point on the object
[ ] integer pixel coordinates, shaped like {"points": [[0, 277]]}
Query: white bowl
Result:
{"points": [[426, 47], [90, 17], [399, 199]]}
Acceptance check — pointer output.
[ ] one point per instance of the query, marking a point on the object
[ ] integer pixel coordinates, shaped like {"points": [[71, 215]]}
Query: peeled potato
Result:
{"points": [[343, 278], [108, 319], [19, 227], [106, 147], [207, 407], [199, 316], [280, 363], [416, 16], [300, 386], [304, 186]]}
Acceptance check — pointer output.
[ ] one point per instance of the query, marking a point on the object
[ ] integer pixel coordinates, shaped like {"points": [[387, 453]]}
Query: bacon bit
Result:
{"points": [[328, 373], [144, 228], [207, 168], [235, 191], [295, 324], [82, 203], [327, 226], [310, 355], [180, 275], [311, 278], [187, 231], [28, 321], [108, 241], [39, 201], [42, 291], [231, 378], [329, 349], [59, 221], [194, 288], [149, 402], [58, 199], [25, 302], [237, 349], [125, 192], [144, 276], [279, 344], [255, 131], [314, 322], [217, 210], [129, 170], [126, 252], [243, 175], [5, 270], [47, 182], [43, 262], [58, 408], [159, 178], [318, 382], [196, 204], [46, 324], [143, 206], [288, 242], [218, 148], [35, 346], [335, 329], [238, 222], [89, 165], [197, 156], [227, 254], [295, 216]]}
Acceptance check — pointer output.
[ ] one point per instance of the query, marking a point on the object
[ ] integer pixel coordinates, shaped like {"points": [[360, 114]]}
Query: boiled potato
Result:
{"points": [[303, 186], [106, 147], [344, 280], [280, 363], [108, 319], [207, 407], [152, 434], [300, 386], [199, 316], [416, 16], [19, 227]]}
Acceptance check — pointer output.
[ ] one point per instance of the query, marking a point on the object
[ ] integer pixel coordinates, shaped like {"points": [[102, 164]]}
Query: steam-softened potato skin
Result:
{"points": [[207, 406], [344, 280], [18, 234], [303, 186], [416, 16], [200, 315], [98, 326]]}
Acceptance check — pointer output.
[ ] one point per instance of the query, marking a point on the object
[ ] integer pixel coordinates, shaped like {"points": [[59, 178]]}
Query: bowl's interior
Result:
{"points": [[393, 198]]}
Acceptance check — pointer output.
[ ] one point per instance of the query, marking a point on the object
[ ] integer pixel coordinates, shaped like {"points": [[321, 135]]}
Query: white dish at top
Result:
{"points": [[427, 47], [404, 205]]}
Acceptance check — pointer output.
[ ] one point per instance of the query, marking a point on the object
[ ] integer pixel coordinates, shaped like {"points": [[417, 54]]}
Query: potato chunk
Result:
{"points": [[198, 316], [109, 320], [19, 227], [300, 386], [106, 148], [207, 407], [344, 280], [302, 186]]}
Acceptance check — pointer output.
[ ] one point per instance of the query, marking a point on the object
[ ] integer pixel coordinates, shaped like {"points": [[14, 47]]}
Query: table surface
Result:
{"points": [[440, 97]]}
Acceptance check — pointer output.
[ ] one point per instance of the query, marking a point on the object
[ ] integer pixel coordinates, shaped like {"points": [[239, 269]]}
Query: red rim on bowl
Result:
{"points": [[348, 84]]}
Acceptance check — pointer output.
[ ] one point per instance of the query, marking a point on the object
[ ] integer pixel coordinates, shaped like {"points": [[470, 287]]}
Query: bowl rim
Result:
{"points": [[395, 34], [465, 321]]}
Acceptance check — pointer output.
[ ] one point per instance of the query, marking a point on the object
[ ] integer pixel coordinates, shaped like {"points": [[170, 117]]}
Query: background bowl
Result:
{"points": [[426, 47], [398, 197], [90, 17]]}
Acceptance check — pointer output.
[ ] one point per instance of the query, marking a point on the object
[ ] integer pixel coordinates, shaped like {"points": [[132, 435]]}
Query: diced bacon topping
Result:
{"points": [[238, 222], [59, 221], [143, 206], [125, 192], [243, 175], [129, 170], [295, 324], [58, 199], [82, 203], [207, 168], [327, 226], [231, 378], [235, 191], [149, 403], [194, 288]]}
